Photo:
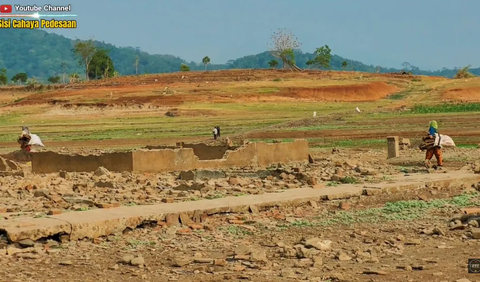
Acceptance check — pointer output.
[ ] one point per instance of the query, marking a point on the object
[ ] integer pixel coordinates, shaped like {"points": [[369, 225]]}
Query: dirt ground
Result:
{"points": [[393, 237], [403, 237], [336, 241]]}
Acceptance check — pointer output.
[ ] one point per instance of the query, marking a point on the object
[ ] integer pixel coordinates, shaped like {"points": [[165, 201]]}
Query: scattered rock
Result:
{"points": [[26, 243], [138, 261], [343, 257], [102, 171], [287, 273], [126, 259], [319, 244], [181, 261], [374, 272], [66, 262], [475, 233]]}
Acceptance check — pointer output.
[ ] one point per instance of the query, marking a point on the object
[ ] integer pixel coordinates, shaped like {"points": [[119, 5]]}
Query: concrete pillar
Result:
{"points": [[393, 147]]}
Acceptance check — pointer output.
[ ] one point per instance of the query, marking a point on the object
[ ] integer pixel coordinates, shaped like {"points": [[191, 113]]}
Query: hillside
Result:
{"points": [[40, 54]]}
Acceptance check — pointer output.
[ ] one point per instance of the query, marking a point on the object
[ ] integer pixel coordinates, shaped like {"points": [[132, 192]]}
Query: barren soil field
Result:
{"points": [[130, 112]]}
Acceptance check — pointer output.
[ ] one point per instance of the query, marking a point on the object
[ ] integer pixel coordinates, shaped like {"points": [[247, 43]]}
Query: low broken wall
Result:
{"points": [[46, 162], [205, 152], [161, 160], [253, 154]]}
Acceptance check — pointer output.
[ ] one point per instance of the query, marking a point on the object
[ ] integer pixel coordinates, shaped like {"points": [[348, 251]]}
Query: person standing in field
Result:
{"points": [[432, 145], [218, 131], [215, 132]]}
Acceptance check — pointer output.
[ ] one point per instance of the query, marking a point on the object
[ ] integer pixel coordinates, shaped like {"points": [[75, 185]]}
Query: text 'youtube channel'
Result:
{"points": [[36, 16]]}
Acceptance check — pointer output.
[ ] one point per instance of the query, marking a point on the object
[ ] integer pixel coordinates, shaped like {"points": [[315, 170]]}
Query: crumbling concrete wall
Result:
{"points": [[206, 152], [164, 160], [253, 154], [160, 160], [282, 152], [46, 162]]}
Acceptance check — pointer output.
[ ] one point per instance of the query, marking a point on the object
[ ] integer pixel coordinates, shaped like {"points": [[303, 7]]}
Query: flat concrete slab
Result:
{"points": [[102, 222]]}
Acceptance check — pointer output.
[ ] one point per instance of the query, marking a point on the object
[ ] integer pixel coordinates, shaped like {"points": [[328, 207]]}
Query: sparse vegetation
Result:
{"points": [[273, 64], [54, 79], [464, 73], [85, 51], [284, 43], [3, 76], [322, 58], [446, 108], [184, 67], [101, 65], [20, 78], [206, 61]]}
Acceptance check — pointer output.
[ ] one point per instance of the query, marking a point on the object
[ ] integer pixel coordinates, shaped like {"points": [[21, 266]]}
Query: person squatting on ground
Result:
{"points": [[215, 132], [432, 145], [24, 139]]}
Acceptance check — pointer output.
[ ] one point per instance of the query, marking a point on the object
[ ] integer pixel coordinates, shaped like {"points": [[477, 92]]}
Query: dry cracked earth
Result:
{"points": [[403, 237]]}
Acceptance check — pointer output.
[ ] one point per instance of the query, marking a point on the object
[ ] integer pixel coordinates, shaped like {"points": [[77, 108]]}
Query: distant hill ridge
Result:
{"points": [[40, 54]]}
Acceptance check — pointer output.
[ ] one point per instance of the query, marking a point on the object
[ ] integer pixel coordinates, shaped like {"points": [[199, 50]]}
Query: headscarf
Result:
{"points": [[433, 124]]}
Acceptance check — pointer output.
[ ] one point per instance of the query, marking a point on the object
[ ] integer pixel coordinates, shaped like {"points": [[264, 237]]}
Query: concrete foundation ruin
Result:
{"points": [[186, 157]]}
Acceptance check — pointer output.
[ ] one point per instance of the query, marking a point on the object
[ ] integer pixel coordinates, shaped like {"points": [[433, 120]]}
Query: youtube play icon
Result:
{"points": [[6, 9]]}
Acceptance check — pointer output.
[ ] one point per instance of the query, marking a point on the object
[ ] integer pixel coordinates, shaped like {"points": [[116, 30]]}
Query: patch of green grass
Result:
{"points": [[397, 96], [235, 231], [401, 210], [352, 143], [349, 180], [136, 243], [467, 146], [266, 90], [215, 196], [446, 108]]}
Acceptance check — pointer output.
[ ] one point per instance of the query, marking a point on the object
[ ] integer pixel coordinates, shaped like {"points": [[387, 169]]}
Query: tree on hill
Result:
{"points": [[344, 65], [273, 64], [322, 58], [464, 73], [101, 65], [406, 66], [184, 67], [206, 61], [74, 77], [3, 76], [64, 66], [137, 59], [20, 78], [54, 79], [284, 43], [84, 50]]}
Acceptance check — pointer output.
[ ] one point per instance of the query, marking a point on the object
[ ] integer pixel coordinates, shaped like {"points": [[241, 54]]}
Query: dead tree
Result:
{"points": [[283, 45]]}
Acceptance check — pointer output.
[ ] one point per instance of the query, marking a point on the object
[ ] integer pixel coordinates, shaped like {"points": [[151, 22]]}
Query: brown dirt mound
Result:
{"points": [[196, 77], [346, 93], [464, 94]]}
